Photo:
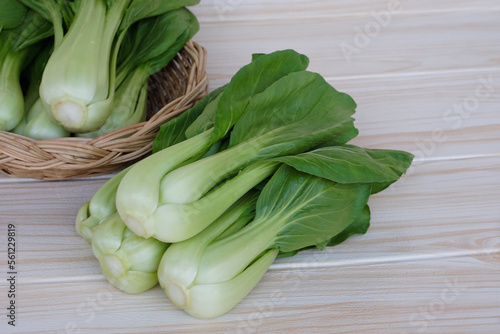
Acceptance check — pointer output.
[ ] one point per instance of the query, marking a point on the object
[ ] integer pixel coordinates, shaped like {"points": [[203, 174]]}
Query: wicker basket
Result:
{"points": [[172, 91]]}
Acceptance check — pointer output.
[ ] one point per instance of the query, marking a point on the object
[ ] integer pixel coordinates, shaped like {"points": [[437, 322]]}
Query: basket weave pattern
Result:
{"points": [[172, 91]]}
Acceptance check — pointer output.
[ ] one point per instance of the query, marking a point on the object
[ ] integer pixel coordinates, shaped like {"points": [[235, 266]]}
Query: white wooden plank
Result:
{"points": [[434, 116], [44, 217], [412, 44], [451, 296], [426, 214], [241, 10]]}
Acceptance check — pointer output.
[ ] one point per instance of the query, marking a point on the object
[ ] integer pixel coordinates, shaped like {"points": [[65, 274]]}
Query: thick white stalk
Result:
{"points": [[139, 191], [180, 262], [40, 126], [197, 178], [100, 206], [11, 94], [215, 299], [78, 81], [128, 262], [178, 222]]}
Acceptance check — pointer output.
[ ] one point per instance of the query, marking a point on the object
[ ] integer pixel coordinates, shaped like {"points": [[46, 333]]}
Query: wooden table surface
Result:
{"points": [[426, 77]]}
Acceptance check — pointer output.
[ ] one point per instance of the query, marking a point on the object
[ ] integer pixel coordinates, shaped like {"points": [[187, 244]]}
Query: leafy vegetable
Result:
{"points": [[12, 13], [149, 53], [251, 80], [259, 169], [79, 82], [177, 222], [100, 55], [294, 210], [322, 205], [317, 118], [137, 206], [79, 91]]}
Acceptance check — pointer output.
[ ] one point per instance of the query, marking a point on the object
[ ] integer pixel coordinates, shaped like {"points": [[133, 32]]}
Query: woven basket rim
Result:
{"points": [[75, 157]]}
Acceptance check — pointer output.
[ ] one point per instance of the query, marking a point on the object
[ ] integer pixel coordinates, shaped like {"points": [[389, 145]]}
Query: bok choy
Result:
{"points": [[131, 262], [79, 91], [320, 115], [143, 54], [296, 210], [259, 169], [94, 54]]}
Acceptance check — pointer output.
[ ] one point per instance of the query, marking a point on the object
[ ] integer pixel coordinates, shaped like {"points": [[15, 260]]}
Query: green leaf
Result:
{"points": [[252, 79], [257, 55], [299, 112], [359, 226], [172, 31], [352, 164], [294, 211], [140, 9], [205, 121], [173, 131], [311, 209], [33, 29], [379, 186], [58, 12], [43, 7], [12, 14]]}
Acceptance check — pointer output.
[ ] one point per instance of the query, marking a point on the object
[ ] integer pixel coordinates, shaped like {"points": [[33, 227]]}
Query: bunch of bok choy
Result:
{"points": [[260, 168], [101, 54]]}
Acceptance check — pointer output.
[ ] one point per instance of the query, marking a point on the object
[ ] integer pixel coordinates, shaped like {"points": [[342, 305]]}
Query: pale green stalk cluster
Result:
{"points": [[259, 169], [94, 79]]}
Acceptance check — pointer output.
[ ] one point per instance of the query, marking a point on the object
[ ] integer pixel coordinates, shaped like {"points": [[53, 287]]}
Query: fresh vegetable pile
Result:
{"points": [[81, 67], [259, 169]]}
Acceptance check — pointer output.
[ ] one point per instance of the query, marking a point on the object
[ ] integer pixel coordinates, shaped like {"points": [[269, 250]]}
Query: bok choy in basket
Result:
{"points": [[260, 168], [94, 60]]}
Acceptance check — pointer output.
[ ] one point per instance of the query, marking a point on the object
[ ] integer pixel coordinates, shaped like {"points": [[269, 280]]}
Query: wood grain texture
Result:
{"points": [[433, 296], [419, 43], [427, 82], [434, 116], [245, 10]]}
